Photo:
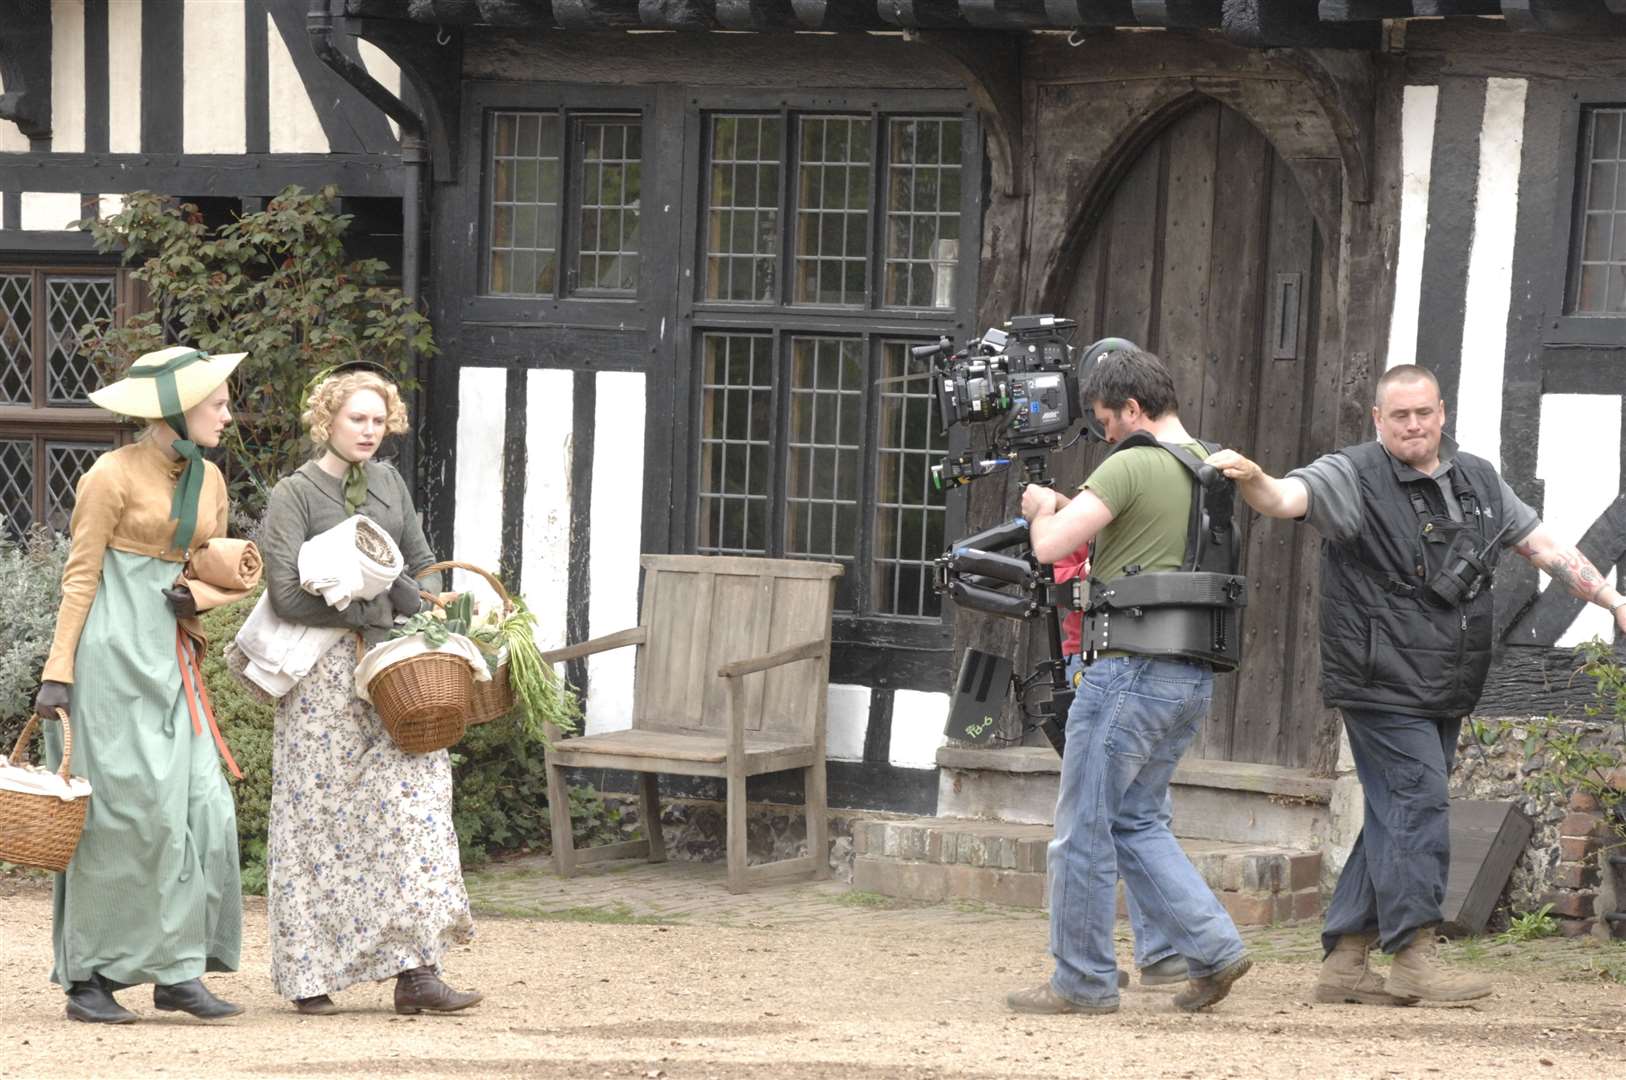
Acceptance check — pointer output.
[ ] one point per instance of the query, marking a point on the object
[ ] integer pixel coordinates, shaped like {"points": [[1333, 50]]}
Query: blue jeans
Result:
{"points": [[1131, 720], [1394, 881]]}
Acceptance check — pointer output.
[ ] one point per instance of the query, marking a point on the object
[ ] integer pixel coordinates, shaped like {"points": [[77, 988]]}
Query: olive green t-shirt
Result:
{"points": [[1149, 494]]}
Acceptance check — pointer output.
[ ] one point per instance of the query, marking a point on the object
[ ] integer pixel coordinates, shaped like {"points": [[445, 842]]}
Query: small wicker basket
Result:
{"points": [[423, 700], [495, 699], [40, 830]]}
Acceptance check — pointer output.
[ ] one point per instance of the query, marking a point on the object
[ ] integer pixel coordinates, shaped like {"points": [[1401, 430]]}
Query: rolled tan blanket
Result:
{"points": [[222, 571]]}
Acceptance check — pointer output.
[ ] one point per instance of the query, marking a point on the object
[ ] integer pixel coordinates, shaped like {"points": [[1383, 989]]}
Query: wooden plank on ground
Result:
{"points": [[1487, 839]]}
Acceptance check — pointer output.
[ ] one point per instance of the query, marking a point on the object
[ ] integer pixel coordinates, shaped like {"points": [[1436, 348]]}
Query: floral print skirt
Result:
{"points": [[363, 877]]}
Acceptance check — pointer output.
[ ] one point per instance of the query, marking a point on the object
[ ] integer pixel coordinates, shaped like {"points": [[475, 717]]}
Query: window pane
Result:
{"points": [[611, 179], [65, 463], [522, 218], [17, 485], [826, 403], [16, 337], [742, 238], [832, 188], [1598, 260], [736, 412], [909, 515], [71, 304], [923, 212]]}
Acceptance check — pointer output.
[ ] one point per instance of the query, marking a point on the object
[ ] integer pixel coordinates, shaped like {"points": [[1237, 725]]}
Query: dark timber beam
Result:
{"points": [[1090, 12], [838, 15], [1179, 14], [1292, 23], [431, 63], [1563, 16], [1441, 8], [1363, 10], [25, 67], [923, 14], [235, 175], [1006, 14]]}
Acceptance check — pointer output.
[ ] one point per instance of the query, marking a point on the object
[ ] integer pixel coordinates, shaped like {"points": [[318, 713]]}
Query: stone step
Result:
{"points": [[1001, 862]]}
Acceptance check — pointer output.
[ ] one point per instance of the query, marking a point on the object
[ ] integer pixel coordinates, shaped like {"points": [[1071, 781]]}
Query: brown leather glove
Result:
{"points": [[181, 602], [53, 696]]}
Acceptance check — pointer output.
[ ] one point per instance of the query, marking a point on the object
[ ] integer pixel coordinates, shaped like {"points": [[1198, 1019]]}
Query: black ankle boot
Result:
{"points": [[92, 1002], [194, 998]]}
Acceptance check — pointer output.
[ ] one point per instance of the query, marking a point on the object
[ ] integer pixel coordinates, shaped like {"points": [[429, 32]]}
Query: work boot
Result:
{"points": [[1170, 969], [1419, 973], [193, 998], [92, 1002], [1206, 990], [1043, 1000], [419, 989], [1346, 978]]}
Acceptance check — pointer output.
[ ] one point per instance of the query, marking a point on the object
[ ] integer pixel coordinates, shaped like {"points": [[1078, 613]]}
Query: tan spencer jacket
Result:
{"points": [[122, 502]]}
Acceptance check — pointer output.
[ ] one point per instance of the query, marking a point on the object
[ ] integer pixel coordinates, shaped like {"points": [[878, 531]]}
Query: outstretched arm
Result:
{"points": [[1271, 496], [1565, 564]]}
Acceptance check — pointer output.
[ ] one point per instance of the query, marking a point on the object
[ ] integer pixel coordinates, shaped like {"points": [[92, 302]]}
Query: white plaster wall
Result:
{"points": [[49, 211], [67, 77], [616, 511], [1490, 271], [482, 397], [1417, 113], [846, 719], [295, 128], [124, 76], [385, 70], [1578, 459], [109, 205], [545, 546], [214, 118], [917, 728]]}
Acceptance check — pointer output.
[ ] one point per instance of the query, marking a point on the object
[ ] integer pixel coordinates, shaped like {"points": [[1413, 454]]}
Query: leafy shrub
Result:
{"points": [[247, 725], [30, 588]]}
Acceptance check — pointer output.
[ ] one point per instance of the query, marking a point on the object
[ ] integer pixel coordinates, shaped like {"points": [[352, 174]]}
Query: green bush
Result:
{"points": [[499, 789], [30, 588]]}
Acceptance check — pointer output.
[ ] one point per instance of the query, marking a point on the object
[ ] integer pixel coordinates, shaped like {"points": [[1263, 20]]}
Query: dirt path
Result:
{"points": [[864, 992]]}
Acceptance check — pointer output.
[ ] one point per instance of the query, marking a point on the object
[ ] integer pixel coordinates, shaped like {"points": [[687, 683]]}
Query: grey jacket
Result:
{"points": [[309, 502]]}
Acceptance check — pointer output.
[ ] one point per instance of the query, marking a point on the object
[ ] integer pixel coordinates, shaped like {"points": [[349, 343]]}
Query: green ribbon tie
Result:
{"points": [[355, 486], [183, 509]]}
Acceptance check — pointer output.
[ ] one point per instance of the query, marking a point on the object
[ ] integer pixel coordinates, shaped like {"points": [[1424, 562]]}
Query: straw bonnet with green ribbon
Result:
{"points": [[163, 385]]}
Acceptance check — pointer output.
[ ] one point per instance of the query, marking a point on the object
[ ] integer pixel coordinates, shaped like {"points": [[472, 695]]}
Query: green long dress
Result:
{"points": [[153, 892]]}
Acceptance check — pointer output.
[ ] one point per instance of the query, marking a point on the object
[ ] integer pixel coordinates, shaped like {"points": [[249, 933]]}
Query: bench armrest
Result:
{"points": [[807, 650], [618, 640]]}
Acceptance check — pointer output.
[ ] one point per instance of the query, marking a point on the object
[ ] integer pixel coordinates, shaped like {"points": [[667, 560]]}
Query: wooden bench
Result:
{"points": [[732, 672]]}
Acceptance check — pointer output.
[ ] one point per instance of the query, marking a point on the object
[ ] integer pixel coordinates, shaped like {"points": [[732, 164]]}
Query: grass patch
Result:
{"points": [[858, 898], [617, 914]]}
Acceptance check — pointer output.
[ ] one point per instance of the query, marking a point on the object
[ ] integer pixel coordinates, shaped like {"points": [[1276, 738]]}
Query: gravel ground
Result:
{"points": [[875, 990]]}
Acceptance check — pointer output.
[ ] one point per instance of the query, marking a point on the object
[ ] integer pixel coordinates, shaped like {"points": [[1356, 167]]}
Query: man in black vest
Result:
{"points": [[1405, 647]]}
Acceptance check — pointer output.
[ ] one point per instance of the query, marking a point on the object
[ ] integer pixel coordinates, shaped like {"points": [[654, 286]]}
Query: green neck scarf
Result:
{"points": [[183, 509], [355, 482]]}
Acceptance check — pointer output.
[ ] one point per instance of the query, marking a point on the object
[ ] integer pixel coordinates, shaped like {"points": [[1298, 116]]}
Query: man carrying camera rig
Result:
{"points": [[1132, 718], [1412, 529]]}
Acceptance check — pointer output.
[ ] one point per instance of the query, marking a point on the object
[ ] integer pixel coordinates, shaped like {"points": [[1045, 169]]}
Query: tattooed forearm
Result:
{"points": [[1569, 568]]}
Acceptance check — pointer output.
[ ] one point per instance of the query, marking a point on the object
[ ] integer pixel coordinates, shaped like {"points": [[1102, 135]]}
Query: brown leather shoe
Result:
{"points": [[320, 1005], [419, 989], [1206, 990]]}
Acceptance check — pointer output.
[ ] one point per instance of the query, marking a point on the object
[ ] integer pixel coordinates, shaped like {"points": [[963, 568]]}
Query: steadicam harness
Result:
{"points": [[1195, 612]]}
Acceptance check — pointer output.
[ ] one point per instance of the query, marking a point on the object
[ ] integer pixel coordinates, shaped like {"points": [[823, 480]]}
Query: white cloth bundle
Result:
{"points": [[33, 780], [334, 566], [395, 650]]}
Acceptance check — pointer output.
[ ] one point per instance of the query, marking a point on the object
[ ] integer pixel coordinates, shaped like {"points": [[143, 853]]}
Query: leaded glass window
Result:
{"points": [[65, 463], [72, 303], [922, 212], [909, 507], [610, 152], [523, 220], [735, 449], [17, 485], [833, 176], [742, 207], [1598, 273], [825, 451]]}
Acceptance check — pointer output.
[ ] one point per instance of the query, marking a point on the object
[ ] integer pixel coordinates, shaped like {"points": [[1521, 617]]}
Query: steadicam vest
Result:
{"points": [[1385, 644]]}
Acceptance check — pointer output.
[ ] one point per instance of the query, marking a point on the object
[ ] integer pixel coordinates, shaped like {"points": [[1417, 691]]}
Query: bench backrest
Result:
{"points": [[703, 611]]}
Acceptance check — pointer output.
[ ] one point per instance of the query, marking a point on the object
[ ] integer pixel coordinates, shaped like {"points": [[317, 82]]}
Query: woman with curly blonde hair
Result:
{"points": [[363, 877]]}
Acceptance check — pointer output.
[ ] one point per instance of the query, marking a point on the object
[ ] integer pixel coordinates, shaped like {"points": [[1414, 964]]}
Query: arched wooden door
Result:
{"points": [[1207, 253]]}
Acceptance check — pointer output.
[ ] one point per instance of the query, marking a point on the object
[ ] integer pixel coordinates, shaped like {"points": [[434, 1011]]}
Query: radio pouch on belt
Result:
{"points": [[1194, 612]]}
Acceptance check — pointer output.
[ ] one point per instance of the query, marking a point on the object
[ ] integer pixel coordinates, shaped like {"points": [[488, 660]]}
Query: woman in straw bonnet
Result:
{"points": [[363, 876], [152, 894]]}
